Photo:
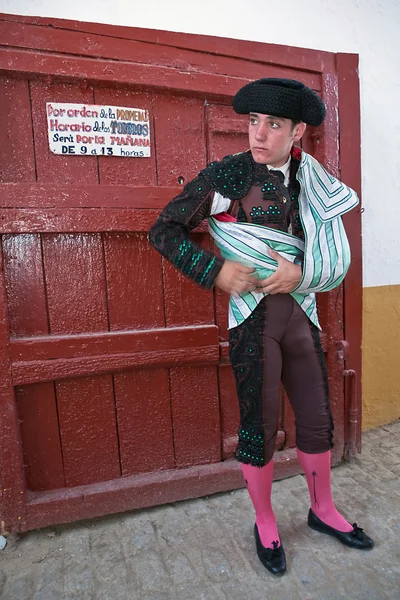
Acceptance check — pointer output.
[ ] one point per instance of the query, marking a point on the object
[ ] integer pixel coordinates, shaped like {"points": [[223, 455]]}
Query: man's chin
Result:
{"points": [[259, 156]]}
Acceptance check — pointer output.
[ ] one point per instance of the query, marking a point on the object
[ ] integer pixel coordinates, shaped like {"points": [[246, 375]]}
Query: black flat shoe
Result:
{"points": [[273, 559], [355, 539]]}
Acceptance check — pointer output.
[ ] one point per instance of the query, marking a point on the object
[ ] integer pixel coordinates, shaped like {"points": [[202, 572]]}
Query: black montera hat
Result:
{"points": [[286, 98]]}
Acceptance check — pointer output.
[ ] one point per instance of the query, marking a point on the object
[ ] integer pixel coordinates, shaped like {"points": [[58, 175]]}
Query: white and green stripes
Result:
{"points": [[325, 252]]}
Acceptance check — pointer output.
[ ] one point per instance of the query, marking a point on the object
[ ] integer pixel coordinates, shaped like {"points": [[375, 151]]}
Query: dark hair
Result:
{"points": [[294, 123]]}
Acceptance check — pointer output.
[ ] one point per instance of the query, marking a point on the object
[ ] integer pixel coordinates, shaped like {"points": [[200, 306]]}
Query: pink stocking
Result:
{"points": [[259, 485], [317, 469]]}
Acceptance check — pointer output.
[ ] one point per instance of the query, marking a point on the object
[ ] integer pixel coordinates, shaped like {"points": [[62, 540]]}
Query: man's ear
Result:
{"points": [[299, 131]]}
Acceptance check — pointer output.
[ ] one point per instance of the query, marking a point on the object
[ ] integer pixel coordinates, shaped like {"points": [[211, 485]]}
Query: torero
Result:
{"points": [[275, 214]]}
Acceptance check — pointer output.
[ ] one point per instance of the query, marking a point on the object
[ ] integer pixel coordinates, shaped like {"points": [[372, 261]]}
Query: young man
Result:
{"points": [[275, 214]]}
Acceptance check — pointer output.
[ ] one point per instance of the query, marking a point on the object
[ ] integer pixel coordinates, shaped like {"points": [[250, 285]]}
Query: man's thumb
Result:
{"points": [[274, 254]]}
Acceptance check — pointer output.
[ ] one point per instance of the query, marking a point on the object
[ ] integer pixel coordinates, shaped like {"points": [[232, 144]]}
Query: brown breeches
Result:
{"points": [[278, 344]]}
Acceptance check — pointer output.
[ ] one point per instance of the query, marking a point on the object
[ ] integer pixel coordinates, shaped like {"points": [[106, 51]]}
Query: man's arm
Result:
{"points": [[170, 236], [170, 233]]}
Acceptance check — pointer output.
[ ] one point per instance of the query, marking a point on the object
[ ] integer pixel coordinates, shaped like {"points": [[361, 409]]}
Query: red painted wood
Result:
{"points": [[75, 283], [275, 54], [134, 282], [76, 294], [229, 409], [350, 169], [12, 494], [121, 342], [181, 154], [88, 430], [185, 302], [75, 220], [37, 413], [193, 79], [181, 149], [76, 43], [108, 72], [17, 162], [227, 132], [21, 195], [144, 421], [195, 415], [127, 493], [23, 272], [47, 370], [55, 168]]}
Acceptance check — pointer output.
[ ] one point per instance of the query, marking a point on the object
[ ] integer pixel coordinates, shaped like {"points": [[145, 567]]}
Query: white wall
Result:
{"points": [[367, 27]]}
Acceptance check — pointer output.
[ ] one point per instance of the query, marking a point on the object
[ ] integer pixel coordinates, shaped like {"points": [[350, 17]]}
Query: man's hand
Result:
{"points": [[285, 279], [235, 278]]}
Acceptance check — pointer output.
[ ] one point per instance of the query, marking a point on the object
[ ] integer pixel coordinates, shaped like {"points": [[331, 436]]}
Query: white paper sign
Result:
{"points": [[87, 129]]}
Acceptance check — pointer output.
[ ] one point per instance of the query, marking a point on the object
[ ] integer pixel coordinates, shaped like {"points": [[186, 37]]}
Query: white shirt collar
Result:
{"points": [[284, 168]]}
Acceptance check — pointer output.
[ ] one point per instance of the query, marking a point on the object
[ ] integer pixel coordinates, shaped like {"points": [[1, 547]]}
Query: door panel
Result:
{"points": [[118, 368], [88, 430], [134, 299]]}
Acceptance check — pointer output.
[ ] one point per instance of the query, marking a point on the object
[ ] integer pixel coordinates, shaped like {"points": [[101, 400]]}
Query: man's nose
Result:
{"points": [[261, 132]]}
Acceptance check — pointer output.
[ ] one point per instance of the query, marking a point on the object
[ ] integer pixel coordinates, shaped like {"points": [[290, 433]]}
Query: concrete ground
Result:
{"points": [[204, 549]]}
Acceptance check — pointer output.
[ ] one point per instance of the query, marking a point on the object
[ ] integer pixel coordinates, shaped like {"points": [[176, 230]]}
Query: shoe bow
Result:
{"points": [[357, 532]]}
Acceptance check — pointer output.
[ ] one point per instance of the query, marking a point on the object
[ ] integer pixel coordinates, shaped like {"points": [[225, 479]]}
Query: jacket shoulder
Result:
{"points": [[231, 176]]}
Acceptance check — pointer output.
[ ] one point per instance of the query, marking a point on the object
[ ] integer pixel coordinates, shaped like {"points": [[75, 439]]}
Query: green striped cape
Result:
{"points": [[325, 251]]}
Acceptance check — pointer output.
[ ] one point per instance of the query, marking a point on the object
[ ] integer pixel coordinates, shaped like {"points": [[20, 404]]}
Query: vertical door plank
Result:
{"points": [[195, 415], [180, 139], [181, 153], [36, 404], [144, 421], [75, 282], [87, 424], [186, 303], [134, 282], [13, 485], [17, 159], [37, 413], [227, 132], [56, 168], [127, 170], [23, 271]]}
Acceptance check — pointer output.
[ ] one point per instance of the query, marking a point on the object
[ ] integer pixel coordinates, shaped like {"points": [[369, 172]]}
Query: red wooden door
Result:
{"points": [[117, 392]]}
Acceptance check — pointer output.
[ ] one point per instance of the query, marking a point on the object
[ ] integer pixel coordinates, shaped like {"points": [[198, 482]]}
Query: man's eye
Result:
{"points": [[253, 121], [274, 125]]}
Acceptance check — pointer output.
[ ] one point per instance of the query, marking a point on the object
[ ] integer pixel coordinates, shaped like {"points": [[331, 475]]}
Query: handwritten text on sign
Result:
{"points": [[79, 129]]}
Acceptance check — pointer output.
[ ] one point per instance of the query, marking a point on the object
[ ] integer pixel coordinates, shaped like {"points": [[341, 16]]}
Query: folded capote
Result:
{"points": [[325, 252]]}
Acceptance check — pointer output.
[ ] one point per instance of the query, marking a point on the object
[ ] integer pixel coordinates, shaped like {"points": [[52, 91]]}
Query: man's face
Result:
{"points": [[271, 138]]}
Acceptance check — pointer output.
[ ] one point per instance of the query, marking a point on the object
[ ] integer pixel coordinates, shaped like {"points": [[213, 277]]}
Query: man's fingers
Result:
{"points": [[243, 269], [269, 280]]}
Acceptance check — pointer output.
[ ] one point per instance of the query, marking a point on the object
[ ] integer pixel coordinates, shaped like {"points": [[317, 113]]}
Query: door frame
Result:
{"points": [[49, 39]]}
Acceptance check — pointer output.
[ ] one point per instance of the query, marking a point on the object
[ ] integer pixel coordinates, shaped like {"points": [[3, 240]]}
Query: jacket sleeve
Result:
{"points": [[170, 233]]}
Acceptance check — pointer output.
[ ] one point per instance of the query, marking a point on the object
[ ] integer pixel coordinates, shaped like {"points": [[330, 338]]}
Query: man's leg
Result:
{"points": [[304, 378], [259, 479], [317, 469], [257, 364]]}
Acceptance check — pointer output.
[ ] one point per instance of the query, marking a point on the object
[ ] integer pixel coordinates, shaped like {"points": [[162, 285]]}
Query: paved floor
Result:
{"points": [[204, 550]]}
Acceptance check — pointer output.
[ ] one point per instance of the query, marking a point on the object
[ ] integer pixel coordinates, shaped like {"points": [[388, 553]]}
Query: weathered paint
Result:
{"points": [[120, 360]]}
